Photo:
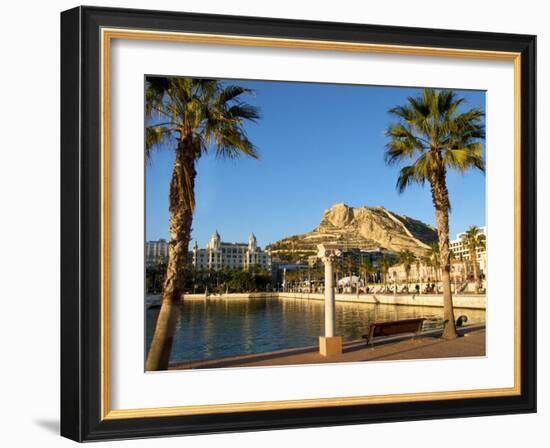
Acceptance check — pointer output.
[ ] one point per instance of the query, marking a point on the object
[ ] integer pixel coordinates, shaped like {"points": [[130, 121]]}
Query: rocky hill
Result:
{"points": [[364, 228]]}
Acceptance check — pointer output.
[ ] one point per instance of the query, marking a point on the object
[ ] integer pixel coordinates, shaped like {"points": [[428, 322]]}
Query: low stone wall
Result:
{"points": [[477, 302], [248, 295], [471, 301]]}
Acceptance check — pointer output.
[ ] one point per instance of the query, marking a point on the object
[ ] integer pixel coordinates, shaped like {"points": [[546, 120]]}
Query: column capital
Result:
{"points": [[327, 254], [329, 258]]}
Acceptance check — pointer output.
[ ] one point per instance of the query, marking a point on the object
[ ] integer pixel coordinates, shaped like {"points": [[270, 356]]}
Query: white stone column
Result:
{"points": [[329, 344], [330, 305]]}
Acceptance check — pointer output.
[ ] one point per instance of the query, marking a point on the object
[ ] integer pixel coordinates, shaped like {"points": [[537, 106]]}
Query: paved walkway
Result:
{"points": [[470, 344]]}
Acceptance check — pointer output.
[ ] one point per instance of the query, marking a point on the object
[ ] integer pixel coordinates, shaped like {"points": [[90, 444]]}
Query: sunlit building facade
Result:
{"points": [[461, 268], [156, 251], [461, 252], [220, 255]]}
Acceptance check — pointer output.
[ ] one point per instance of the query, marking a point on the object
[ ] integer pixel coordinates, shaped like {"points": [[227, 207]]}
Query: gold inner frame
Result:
{"points": [[107, 35]]}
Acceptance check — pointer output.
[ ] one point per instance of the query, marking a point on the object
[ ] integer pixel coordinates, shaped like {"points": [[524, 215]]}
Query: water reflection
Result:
{"points": [[209, 329]]}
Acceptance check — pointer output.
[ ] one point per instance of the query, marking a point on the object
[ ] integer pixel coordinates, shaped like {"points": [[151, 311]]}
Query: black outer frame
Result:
{"points": [[81, 223]]}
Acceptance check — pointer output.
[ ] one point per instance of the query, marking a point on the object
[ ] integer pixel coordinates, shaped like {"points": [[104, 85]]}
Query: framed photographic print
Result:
{"points": [[273, 223]]}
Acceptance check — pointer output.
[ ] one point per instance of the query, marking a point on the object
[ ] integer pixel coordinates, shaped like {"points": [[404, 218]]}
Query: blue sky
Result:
{"points": [[319, 144]]}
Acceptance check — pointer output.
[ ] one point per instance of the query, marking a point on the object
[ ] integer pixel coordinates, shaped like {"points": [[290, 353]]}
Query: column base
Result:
{"points": [[329, 346]]}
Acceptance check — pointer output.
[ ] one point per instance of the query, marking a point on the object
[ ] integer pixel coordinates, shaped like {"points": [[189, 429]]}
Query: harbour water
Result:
{"points": [[215, 328]]}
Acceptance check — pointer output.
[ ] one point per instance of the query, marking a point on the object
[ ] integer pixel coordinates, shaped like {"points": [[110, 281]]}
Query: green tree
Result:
{"points": [[406, 258], [338, 272], [154, 275], [434, 136], [474, 240], [385, 264], [367, 270], [417, 264], [349, 262], [190, 116], [432, 257]]}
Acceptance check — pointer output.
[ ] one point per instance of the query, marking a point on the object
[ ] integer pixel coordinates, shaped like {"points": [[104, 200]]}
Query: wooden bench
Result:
{"points": [[391, 328]]}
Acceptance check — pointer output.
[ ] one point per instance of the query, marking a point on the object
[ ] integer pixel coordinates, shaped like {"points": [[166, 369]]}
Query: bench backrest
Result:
{"points": [[395, 327]]}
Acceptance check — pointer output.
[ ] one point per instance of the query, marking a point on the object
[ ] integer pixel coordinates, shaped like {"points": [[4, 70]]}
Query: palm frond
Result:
{"points": [[404, 143], [155, 91], [402, 112], [232, 142], [421, 108], [232, 92], [242, 112], [462, 159], [474, 239], [156, 137], [407, 176]]}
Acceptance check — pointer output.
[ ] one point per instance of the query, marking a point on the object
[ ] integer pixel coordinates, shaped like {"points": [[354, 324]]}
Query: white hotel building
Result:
{"points": [[461, 251], [156, 251], [238, 256], [460, 266]]}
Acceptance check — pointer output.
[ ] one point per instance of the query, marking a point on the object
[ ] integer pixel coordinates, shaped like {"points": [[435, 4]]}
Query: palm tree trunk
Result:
{"points": [[441, 201], [182, 188], [475, 267]]}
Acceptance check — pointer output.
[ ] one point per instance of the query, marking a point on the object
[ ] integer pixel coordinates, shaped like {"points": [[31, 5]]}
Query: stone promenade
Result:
{"points": [[470, 343]]}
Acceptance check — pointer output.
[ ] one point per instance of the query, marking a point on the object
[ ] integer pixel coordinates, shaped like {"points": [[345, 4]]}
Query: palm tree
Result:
{"points": [[435, 136], [190, 116], [406, 259], [474, 240], [434, 261], [288, 277], [464, 271], [337, 273], [366, 268], [384, 268], [350, 266]]}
